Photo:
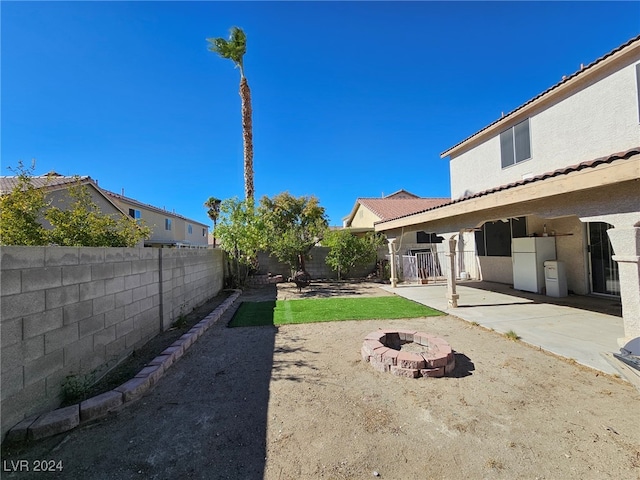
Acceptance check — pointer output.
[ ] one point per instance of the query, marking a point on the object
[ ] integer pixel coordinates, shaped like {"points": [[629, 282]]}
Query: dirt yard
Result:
{"points": [[298, 402]]}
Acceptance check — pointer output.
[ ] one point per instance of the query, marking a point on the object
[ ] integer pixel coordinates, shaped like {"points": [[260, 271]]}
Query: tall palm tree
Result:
{"points": [[234, 49], [213, 210]]}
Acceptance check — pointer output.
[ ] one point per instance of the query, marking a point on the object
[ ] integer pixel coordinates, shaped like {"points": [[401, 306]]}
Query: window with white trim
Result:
{"points": [[515, 144], [190, 229], [167, 224], [133, 213]]}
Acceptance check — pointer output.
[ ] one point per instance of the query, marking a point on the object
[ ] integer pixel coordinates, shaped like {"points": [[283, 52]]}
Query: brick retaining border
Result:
{"points": [[436, 360], [68, 418]]}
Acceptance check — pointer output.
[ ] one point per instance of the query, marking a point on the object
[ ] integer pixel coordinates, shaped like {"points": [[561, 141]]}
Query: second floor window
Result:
{"points": [[190, 229], [134, 213], [167, 224], [515, 144]]}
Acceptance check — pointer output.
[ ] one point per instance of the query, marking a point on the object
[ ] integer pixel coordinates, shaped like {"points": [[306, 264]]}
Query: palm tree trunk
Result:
{"points": [[247, 135]]}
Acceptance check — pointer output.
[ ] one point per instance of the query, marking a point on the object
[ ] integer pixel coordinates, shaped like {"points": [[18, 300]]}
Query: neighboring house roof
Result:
{"points": [[616, 157], [54, 181], [50, 181], [567, 82], [402, 193], [134, 202], [396, 204], [387, 208]]}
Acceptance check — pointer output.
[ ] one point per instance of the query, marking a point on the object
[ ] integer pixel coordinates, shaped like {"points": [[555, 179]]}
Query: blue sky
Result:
{"points": [[350, 99]]}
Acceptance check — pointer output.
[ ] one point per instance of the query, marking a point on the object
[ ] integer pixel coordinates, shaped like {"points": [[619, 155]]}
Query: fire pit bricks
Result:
{"points": [[382, 349]]}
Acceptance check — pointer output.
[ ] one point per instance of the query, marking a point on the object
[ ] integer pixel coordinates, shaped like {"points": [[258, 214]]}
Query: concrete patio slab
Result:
{"points": [[569, 331]]}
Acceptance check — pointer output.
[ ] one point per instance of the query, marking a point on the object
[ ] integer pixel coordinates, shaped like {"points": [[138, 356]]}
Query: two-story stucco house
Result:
{"points": [[564, 165], [168, 229]]}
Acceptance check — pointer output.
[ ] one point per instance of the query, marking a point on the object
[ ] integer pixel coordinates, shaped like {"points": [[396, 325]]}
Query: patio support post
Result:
{"points": [[392, 254], [452, 296], [626, 246]]}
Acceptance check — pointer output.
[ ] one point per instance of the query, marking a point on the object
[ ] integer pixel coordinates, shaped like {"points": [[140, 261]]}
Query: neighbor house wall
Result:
{"points": [[66, 310], [364, 218], [594, 120]]}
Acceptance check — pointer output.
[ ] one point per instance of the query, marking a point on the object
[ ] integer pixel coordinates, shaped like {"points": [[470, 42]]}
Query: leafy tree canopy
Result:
{"points": [[292, 225], [240, 230], [77, 223], [21, 211], [348, 251], [81, 223], [233, 49]]}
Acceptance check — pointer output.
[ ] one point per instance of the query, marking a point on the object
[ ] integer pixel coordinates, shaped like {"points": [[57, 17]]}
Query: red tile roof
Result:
{"points": [[388, 208], [621, 156]]}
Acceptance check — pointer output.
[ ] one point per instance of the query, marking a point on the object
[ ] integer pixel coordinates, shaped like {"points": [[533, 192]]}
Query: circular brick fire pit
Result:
{"points": [[406, 353]]}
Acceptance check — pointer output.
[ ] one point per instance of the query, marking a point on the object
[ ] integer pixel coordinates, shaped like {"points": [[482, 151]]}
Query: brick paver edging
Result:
{"points": [[382, 350], [67, 418]]}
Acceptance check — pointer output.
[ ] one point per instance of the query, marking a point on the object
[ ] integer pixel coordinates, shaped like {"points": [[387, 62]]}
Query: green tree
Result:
{"points": [[213, 210], [241, 234], [292, 226], [21, 211], [348, 251], [81, 223], [234, 50]]}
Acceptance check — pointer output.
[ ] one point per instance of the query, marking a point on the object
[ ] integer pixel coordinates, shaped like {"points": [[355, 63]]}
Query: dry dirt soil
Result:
{"points": [[298, 402]]}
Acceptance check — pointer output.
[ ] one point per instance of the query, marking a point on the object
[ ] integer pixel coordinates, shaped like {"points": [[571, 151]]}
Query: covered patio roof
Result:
{"points": [[581, 189]]}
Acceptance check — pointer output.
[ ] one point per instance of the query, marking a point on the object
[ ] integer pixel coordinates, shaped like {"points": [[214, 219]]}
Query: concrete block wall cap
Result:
{"points": [[19, 432], [203, 324], [186, 338], [196, 332], [100, 405], [164, 360], [175, 350], [153, 372], [55, 422], [134, 388]]}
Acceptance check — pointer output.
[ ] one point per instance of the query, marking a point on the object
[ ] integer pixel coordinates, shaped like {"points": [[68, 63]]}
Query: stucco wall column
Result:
{"points": [[392, 254], [626, 246], [452, 296]]}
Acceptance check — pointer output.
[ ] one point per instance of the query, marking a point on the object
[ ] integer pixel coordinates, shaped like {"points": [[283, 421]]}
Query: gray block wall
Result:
{"points": [[316, 265], [66, 310]]}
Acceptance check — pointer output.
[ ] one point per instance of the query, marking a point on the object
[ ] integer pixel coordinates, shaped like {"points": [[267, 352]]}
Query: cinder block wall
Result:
{"points": [[316, 265], [76, 310]]}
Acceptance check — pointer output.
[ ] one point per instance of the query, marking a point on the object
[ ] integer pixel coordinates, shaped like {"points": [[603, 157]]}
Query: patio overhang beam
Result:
{"points": [[589, 189]]}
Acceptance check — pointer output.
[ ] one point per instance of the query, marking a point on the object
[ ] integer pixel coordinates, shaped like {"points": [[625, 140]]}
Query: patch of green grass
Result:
{"points": [[511, 335], [284, 312]]}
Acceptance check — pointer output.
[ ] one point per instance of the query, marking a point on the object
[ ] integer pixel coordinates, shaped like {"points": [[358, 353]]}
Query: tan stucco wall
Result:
{"points": [[598, 120], [155, 220], [364, 218], [61, 199]]}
